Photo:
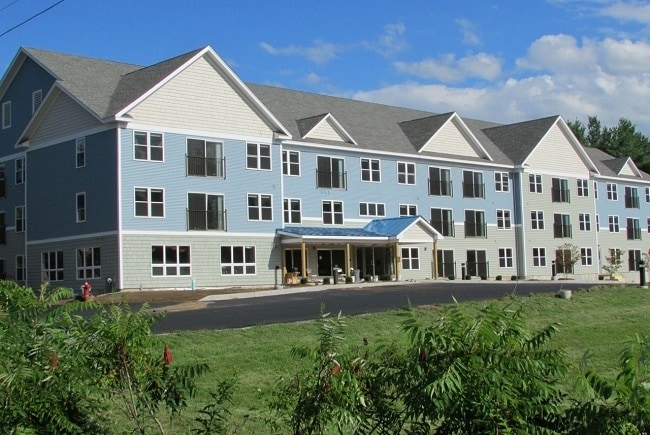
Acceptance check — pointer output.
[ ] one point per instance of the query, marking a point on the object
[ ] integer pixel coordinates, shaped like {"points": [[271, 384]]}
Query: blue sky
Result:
{"points": [[502, 61]]}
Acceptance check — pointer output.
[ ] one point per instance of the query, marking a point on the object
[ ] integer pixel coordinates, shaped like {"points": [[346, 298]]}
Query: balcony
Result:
{"points": [[331, 180], [475, 229], [440, 188], [446, 228], [633, 233], [206, 220], [562, 231], [560, 195], [205, 167], [473, 190], [632, 201]]}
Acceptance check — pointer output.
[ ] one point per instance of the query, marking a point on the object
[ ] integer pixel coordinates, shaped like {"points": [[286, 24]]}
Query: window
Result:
{"points": [[370, 170], [647, 194], [6, 114], [260, 207], [408, 210], [89, 263], [238, 260], [475, 224], [20, 218], [290, 163], [584, 220], [170, 260], [80, 152], [534, 183], [19, 168], [291, 209], [503, 219], [205, 159], [597, 223], [595, 190], [560, 190], [586, 257], [258, 156], [505, 257], [537, 220], [21, 268], [410, 258], [149, 202], [583, 187], [371, 209], [332, 212], [440, 182], [633, 259], [205, 212], [330, 173], [3, 229], [613, 224], [37, 99], [405, 173], [148, 146], [648, 222], [612, 192], [473, 186], [633, 229], [539, 257], [81, 207], [561, 226], [502, 182], [443, 221], [3, 186], [52, 266], [631, 197]]}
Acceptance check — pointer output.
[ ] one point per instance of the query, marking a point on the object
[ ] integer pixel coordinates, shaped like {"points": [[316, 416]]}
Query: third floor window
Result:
{"points": [[473, 186], [370, 170], [440, 182], [560, 190], [330, 173], [258, 156], [631, 197], [205, 158]]}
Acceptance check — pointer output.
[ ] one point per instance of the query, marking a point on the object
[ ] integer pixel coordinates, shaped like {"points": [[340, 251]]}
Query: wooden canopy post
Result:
{"points": [[303, 259], [435, 258], [398, 259]]}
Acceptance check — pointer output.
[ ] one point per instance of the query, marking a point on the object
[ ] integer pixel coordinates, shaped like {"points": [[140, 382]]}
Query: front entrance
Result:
{"points": [[477, 263], [330, 258], [293, 260], [446, 264], [375, 261]]}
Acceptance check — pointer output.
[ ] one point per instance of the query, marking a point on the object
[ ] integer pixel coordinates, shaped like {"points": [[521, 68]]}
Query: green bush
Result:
{"points": [[367, 278], [304, 280], [451, 277], [326, 280], [499, 278], [513, 278], [483, 277], [348, 280]]}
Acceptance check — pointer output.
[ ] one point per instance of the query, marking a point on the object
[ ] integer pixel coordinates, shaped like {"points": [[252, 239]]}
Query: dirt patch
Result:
{"points": [[172, 297]]}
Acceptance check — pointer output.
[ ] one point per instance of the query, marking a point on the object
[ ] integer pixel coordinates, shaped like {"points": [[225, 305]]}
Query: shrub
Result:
{"points": [[513, 278], [451, 277], [326, 280], [499, 277], [348, 279], [483, 277], [304, 280], [468, 277], [367, 278]]}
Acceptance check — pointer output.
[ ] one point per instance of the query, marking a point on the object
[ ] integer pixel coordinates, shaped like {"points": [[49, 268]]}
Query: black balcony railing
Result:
{"points": [[634, 233], [478, 268], [561, 231], [631, 201], [206, 220], [446, 228], [440, 188], [331, 180], [3, 235], [473, 190], [560, 195], [475, 229], [206, 167]]}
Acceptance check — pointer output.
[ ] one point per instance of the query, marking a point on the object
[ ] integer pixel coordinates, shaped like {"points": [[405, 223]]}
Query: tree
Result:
{"points": [[614, 262], [566, 256]]}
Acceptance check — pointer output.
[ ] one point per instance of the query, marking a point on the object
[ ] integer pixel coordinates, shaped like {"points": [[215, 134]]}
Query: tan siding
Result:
{"points": [[450, 140], [326, 131], [627, 170], [65, 117], [555, 153], [200, 98]]}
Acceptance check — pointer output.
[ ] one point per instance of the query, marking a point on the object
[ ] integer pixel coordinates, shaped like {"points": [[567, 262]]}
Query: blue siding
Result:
{"points": [[54, 182]]}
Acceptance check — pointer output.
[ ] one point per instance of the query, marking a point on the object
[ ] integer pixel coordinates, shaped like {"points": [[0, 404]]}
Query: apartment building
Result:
{"points": [[180, 175]]}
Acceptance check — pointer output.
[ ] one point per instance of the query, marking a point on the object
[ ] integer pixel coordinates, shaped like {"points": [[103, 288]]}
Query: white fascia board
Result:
{"points": [[337, 126], [458, 121], [635, 169], [620, 180]]}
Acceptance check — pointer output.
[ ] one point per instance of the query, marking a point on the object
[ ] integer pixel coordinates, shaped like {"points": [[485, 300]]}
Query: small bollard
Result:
{"points": [[642, 282], [553, 269], [463, 271]]}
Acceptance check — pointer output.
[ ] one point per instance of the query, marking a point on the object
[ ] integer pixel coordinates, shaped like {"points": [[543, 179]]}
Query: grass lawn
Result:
{"points": [[599, 320]]}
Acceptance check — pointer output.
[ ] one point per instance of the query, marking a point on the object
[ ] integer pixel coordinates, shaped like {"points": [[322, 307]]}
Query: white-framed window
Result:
{"points": [[537, 219], [632, 197], [505, 257], [260, 207], [502, 182], [80, 152], [612, 192], [535, 183], [292, 213], [21, 268], [560, 190], [539, 257], [633, 229], [291, 163], [171, 260], [648, 223], [475, 225], [89, 263], [647, 194], [258, 156], [440, 183], [411, 258], [598, 223], [20, 220], [52, 266], [583, 187], [205, 159], [149, 202], [372, 209], [595, 189], [37, 99], [584, 220], [613, 224], [330, 173], [148, 146], [633, 259], [6, 114], [332, 212], [3, 182], [586, 257], [405, 173], [408, 210], [19, 169], [238, 260], [442, 219], [503, 219], [473, 185], [81, 207], [370, 170], [206, 212]]}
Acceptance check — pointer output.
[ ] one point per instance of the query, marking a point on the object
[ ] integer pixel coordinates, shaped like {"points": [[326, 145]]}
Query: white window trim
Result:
{"points": [[45, 272], [288, 201], [584, 188], [37, 99], [23, 268], [165, 265], [6, 114], [507, 223], [540, 184], [23, 219], [80, 149], [244, 264], [260, 208], [408, 206], [410, 258], [85, 207], [586, 222], [506, 257], [88, 271], [258, 156], [542, 220], [415, 178], [148, 145], [541, 257], [21, 172], [376, 204], [149, 189], [289, 164], [333, 213], [613, 192], [507, 184], [617, 223], [590, 257], [370, 160]]}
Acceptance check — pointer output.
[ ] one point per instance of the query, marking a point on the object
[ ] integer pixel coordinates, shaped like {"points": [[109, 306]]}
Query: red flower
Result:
{"points": [[54, 359], [167, 355], [336, 368]]}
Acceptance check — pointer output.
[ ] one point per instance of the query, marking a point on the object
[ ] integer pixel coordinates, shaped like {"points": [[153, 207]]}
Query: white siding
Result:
{"points": [[627, 170], [556, 154], [65, 117], [200, 98], [325, 131], [450, 140]]}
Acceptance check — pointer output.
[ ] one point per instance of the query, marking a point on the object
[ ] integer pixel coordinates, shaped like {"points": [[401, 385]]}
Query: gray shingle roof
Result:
{"points": [[610, 166], [419, 131], [518, 140]]}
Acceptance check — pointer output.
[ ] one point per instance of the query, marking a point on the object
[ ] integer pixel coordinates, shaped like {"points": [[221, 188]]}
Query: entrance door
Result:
{"points": [[446, 266], [477, 262], [563, 261], [329, 258], [293, 260]]}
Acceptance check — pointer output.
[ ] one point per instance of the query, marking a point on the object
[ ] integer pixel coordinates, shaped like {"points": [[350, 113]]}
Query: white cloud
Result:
{"points": [[320, 52], [449, 69], [557, 53], [469, 34], [630, 11], [390, 42]]}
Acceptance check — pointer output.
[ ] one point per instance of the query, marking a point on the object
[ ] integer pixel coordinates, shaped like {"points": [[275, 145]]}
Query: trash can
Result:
{"points": [[357, 275]]}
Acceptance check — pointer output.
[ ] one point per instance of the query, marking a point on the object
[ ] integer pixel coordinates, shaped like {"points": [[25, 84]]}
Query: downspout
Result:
{"points": [[26, 222], [597, 222], [120, 245], [522, 267]]}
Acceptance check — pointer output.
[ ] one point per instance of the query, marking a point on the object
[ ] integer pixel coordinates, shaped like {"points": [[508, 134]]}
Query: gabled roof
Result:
{"points": [[518, 140], [308, 125], [609, 166]]}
